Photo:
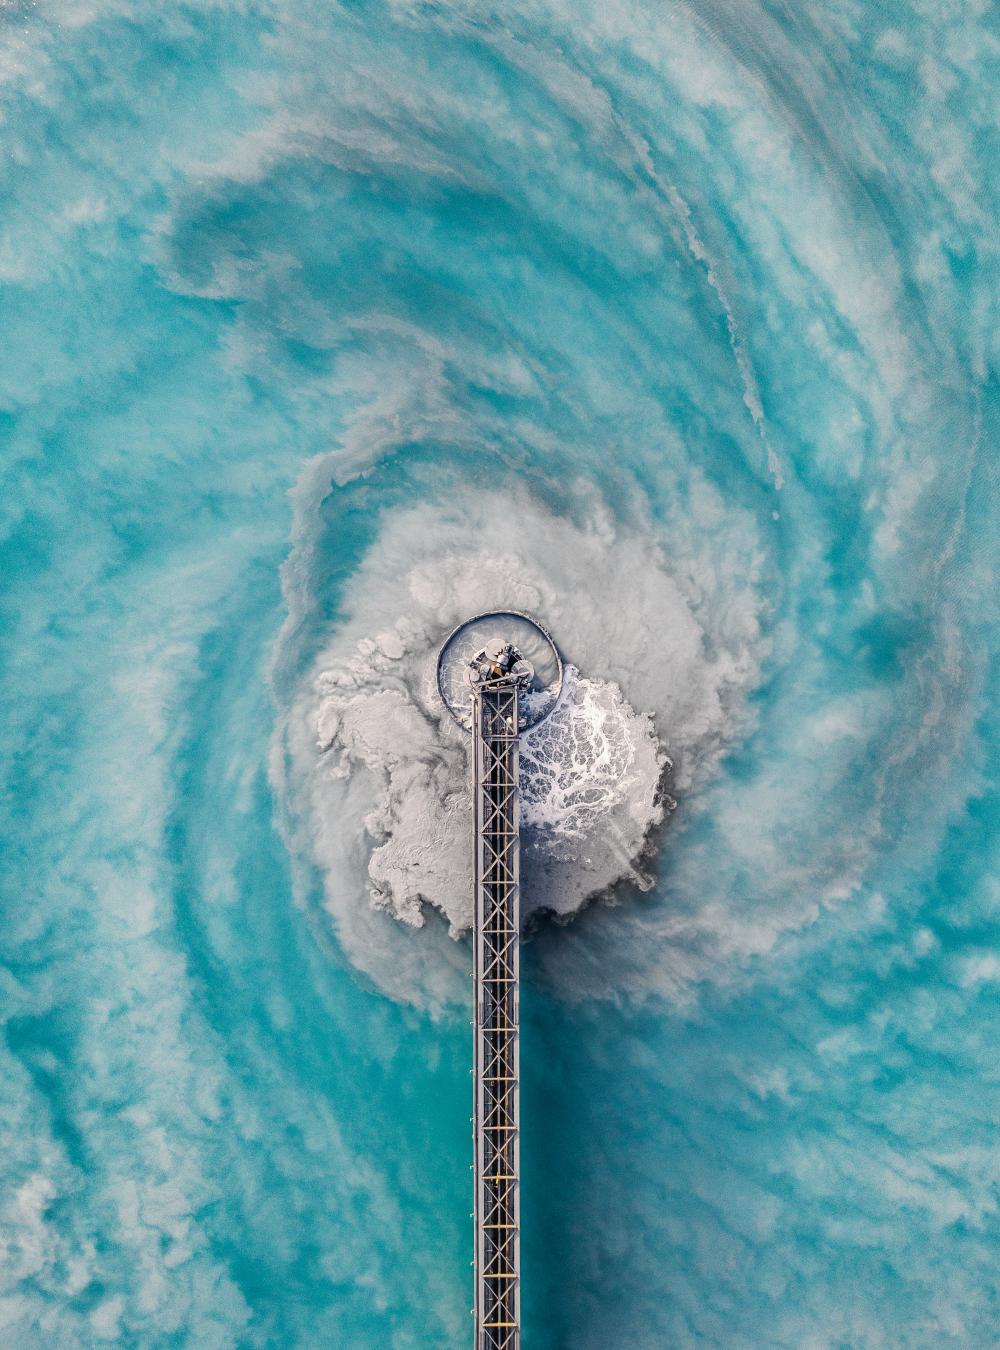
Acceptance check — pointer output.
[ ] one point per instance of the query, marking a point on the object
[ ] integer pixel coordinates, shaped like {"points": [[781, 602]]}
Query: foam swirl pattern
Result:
{"points": [[327, 325]]}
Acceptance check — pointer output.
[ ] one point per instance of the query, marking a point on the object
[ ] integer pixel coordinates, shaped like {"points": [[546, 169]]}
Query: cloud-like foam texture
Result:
{"points": [[370, 737]]}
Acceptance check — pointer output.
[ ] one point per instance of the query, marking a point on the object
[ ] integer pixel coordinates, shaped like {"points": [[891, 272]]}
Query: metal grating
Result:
{"points": [[495, 1121]]}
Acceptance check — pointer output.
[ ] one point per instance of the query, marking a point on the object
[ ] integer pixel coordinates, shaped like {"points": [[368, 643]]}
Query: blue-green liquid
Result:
{"points": [[616, 252]]}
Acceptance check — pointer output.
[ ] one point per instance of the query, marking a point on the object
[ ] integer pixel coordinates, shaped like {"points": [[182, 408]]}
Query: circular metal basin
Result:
{"points": [[533, 642]]}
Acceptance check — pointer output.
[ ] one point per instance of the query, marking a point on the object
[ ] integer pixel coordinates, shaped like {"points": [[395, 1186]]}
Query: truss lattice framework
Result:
{"points": [[497, 922]]}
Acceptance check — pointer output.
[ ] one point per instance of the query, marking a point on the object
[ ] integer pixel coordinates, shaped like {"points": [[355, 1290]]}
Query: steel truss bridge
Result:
{"points": [[497, 1308]]}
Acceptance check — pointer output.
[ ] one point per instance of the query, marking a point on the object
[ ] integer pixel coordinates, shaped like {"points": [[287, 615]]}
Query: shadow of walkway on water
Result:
{"points": [[595, 1173]]}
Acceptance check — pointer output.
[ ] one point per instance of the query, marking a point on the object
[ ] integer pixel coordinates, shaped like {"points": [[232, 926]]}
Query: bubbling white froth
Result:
{"points": [[589, 775], [590, 797], [654, 685]]}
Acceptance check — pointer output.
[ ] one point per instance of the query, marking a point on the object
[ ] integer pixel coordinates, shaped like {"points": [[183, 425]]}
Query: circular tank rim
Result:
{"points": [[499, 614]]}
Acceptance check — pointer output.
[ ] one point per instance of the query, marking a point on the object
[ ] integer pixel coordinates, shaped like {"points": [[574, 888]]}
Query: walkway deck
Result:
{"points": [[497, 923]]}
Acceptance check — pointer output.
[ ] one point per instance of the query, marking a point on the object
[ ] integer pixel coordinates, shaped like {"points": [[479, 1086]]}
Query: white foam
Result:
{"points": [[660, 654]]}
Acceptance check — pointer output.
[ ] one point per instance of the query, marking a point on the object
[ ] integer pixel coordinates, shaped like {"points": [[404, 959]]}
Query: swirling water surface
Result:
{"points": [[326, 325]]}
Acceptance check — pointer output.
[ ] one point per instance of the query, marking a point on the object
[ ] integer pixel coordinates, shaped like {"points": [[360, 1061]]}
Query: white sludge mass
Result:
{"points": [[658, 665]]}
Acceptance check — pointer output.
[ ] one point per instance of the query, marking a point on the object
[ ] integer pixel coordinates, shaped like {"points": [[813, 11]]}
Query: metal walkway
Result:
{"points": [[497, 923]]}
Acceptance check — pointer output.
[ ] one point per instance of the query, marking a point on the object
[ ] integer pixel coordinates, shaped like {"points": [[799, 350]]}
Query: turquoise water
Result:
{"points": [[702, 300]]}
